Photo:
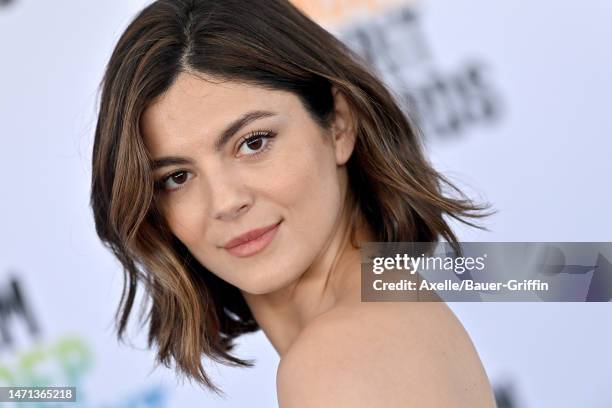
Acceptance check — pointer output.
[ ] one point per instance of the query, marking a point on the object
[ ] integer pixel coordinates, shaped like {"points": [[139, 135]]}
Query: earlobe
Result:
{"points": [[343, 128]]}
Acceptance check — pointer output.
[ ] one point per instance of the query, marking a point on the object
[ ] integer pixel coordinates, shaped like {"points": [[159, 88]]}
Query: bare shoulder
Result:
{"points": [[384, 355]]}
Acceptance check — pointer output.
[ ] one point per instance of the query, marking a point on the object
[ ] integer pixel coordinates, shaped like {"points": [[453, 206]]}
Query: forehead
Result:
{"points": [[200, 107]]}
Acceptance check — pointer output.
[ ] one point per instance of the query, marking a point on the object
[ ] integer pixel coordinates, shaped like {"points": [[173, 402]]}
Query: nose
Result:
{"points": [[229, 198]]}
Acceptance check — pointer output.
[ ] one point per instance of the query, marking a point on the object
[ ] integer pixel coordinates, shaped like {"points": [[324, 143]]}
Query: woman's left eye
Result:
{"points": [[255, 143]]}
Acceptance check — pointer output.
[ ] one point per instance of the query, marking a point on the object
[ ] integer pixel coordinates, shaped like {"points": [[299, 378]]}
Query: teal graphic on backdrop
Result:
{"points": [[65, 361]]}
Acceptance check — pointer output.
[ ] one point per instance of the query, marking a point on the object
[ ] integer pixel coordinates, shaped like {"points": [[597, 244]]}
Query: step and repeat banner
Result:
{"points": [[513, 99]]}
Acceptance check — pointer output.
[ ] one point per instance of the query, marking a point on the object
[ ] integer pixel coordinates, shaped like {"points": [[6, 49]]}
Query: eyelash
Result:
{"points": [[268, 135]]}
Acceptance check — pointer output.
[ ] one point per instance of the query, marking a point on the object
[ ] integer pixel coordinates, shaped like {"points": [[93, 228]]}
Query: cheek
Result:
{"points": [[184, 214], [307, 188]]}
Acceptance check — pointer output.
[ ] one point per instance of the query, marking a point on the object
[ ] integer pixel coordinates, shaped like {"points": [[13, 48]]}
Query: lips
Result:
{"points": [[252, 242]]}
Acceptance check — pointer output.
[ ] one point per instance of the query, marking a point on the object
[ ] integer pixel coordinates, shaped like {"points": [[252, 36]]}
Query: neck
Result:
{"points": [[333, 279]]}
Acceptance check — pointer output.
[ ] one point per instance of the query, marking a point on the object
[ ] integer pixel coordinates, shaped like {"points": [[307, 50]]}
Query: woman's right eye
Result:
{"points": [[175, 180]]}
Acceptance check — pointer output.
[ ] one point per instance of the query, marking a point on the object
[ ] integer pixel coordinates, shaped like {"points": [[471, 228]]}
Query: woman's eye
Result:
{"points": [[254, 144], [175, 180]]}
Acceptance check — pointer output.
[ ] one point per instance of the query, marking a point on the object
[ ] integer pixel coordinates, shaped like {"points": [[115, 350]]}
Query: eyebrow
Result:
{"points": [[221, 141]]}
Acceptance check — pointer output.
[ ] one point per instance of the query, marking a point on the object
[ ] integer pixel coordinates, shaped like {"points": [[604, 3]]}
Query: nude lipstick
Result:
{"points": [[252, 242]]}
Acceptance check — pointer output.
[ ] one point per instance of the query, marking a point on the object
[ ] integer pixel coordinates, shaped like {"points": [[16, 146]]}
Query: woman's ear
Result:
{"points": [[344, 129]]}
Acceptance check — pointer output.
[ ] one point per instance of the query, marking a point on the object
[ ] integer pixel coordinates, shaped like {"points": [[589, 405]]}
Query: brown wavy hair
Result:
{"points": [[268, 43]]}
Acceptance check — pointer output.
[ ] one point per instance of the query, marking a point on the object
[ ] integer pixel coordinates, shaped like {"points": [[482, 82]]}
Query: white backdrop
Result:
{"points": [[513, 98]]}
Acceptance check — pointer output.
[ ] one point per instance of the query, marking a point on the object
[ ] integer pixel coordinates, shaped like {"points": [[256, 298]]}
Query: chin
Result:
{"points": [[267, 282]]}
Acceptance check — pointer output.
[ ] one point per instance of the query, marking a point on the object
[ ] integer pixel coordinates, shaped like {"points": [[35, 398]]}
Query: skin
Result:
{"points": [[304, 287]]}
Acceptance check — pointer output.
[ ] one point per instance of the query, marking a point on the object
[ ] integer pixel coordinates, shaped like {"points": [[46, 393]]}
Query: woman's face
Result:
{"points": [[235, 159]]}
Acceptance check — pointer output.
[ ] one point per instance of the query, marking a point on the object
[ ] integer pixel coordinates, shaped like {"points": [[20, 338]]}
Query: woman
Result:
{"points": [[241, 156]]}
